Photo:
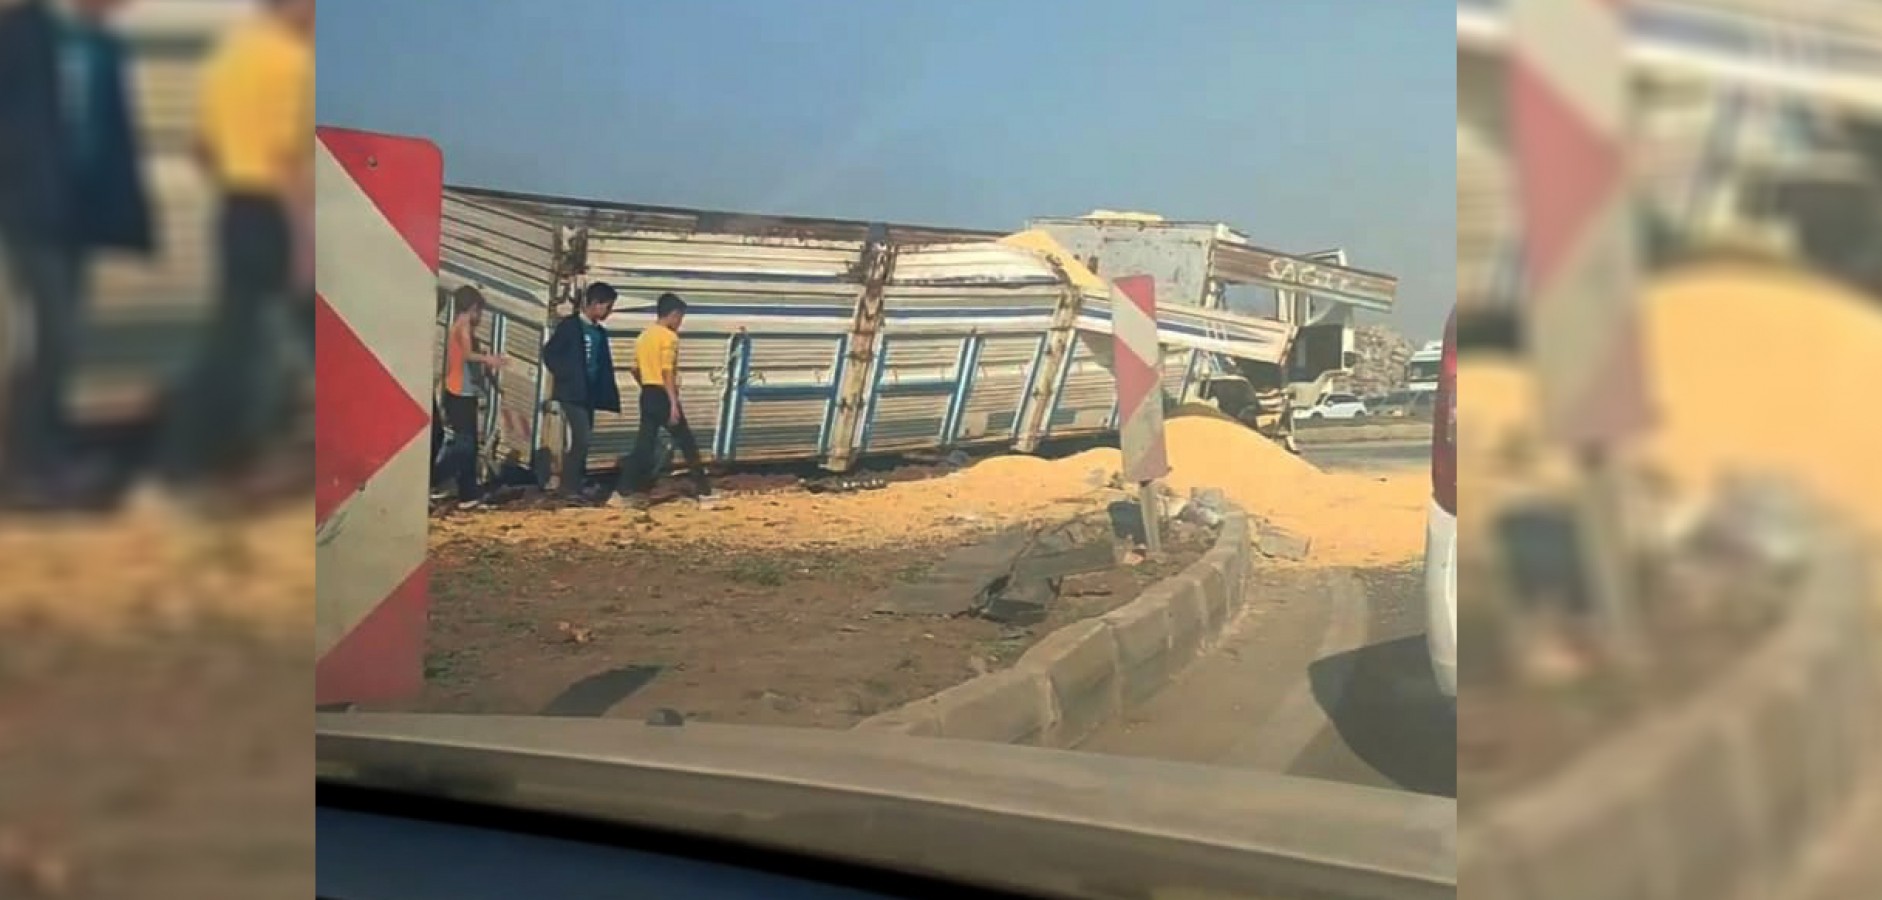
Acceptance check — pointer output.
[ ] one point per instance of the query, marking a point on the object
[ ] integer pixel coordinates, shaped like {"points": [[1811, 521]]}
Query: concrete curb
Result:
{"points": [[1721, 798], [1317, 435], [1083, 675]]}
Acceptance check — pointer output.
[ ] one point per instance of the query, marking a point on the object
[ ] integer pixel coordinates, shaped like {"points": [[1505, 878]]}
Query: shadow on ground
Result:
{"points": [[1384, 704]]}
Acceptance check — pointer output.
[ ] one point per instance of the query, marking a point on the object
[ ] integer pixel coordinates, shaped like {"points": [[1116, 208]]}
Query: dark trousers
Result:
{"points": [[461, 414], [213, 423], [581, 425], [43, 285], [656, 409]]}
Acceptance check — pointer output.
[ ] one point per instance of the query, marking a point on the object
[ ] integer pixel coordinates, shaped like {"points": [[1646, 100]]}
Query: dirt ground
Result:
{"points": [[173, 763], [743, 634], [1513, 731]]}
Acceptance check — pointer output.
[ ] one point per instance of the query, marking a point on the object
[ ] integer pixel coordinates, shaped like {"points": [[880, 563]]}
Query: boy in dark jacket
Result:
{"points": [[578, 358], [71, 186]]}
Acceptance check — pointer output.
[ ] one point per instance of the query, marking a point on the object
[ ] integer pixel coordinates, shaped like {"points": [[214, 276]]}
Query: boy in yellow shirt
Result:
{"points": [[255, 141], [657, 368]]}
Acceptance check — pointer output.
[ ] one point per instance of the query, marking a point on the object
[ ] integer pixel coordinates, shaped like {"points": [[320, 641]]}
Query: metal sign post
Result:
{"points": [[1570, 116], [1138, 363]]}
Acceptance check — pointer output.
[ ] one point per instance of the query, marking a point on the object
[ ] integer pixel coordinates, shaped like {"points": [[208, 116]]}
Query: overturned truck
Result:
{"points": [[819, 340]]}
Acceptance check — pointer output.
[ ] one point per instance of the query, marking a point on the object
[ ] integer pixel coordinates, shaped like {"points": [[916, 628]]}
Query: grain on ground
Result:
{"points": [[106, 575], [1354, 519]]}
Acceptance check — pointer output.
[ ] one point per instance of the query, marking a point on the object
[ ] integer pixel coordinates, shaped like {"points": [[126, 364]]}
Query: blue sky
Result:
{"points": [[1305, 123]]}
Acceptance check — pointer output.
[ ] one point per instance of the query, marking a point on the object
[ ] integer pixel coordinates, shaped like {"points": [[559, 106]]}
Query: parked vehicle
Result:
{"points": [[1334, 406], [1441, 523], [1422, 370]]}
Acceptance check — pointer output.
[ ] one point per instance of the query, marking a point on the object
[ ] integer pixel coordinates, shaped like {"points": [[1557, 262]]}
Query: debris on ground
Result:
{"points": [[1279, 543], [729, 632], [574, 634], [1205, 506], [964, 579], [844, 485]]}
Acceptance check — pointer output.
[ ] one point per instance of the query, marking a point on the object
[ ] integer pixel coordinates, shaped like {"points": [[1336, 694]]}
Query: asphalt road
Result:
{"points": [[1368, 455], [1325, 676]]}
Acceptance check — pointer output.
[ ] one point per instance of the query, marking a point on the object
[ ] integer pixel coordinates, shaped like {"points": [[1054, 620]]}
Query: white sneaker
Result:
{"points": [[469, 505]]}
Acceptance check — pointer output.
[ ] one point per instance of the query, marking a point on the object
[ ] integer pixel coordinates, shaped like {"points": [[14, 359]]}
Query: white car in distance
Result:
{"points": [[1334, 406]]}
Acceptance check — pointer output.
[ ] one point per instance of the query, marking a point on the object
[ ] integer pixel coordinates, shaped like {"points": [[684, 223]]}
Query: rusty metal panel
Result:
{"points": [[719, 309], [997, 389], [517, 389], [904, 421], [974, 264], [510, 258], [1248, 264], [1212, 331], [779, 362], [914, 389], [989, 309], [981, 288], [922, 359], [730, 284], [786, 397], [606, 216], [1175, 254], [862, 352], [650, 256], [780, 429], [1088, 400]]}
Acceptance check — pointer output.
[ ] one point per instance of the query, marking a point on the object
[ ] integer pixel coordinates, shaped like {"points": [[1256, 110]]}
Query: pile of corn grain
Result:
{"points": [[1753, 370], [1353, 519]]}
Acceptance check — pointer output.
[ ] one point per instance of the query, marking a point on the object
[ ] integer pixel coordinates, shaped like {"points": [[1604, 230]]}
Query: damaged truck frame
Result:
{"points": [[821, 340]]}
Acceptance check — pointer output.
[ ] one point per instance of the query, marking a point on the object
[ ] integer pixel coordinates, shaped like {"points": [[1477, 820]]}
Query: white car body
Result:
{"points": [[1441, 595], [1335, 406], [1441, 523]]}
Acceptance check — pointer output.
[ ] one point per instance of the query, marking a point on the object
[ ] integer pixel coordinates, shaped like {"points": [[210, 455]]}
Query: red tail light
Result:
{"points": [[1444, 425]]}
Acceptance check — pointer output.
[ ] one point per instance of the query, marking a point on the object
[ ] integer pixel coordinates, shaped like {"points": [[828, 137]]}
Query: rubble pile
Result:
{"points": [[1383, 355]]}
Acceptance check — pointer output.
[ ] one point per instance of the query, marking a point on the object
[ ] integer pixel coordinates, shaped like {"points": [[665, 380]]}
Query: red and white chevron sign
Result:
{"points": [[1570, 102], [378, 203], [1138, 362]]}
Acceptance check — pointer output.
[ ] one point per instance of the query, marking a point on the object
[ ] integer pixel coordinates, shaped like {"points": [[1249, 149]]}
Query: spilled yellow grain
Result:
{"points": [[1771, 370], [105, 575], [1353, 519], [1753, 369]]}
